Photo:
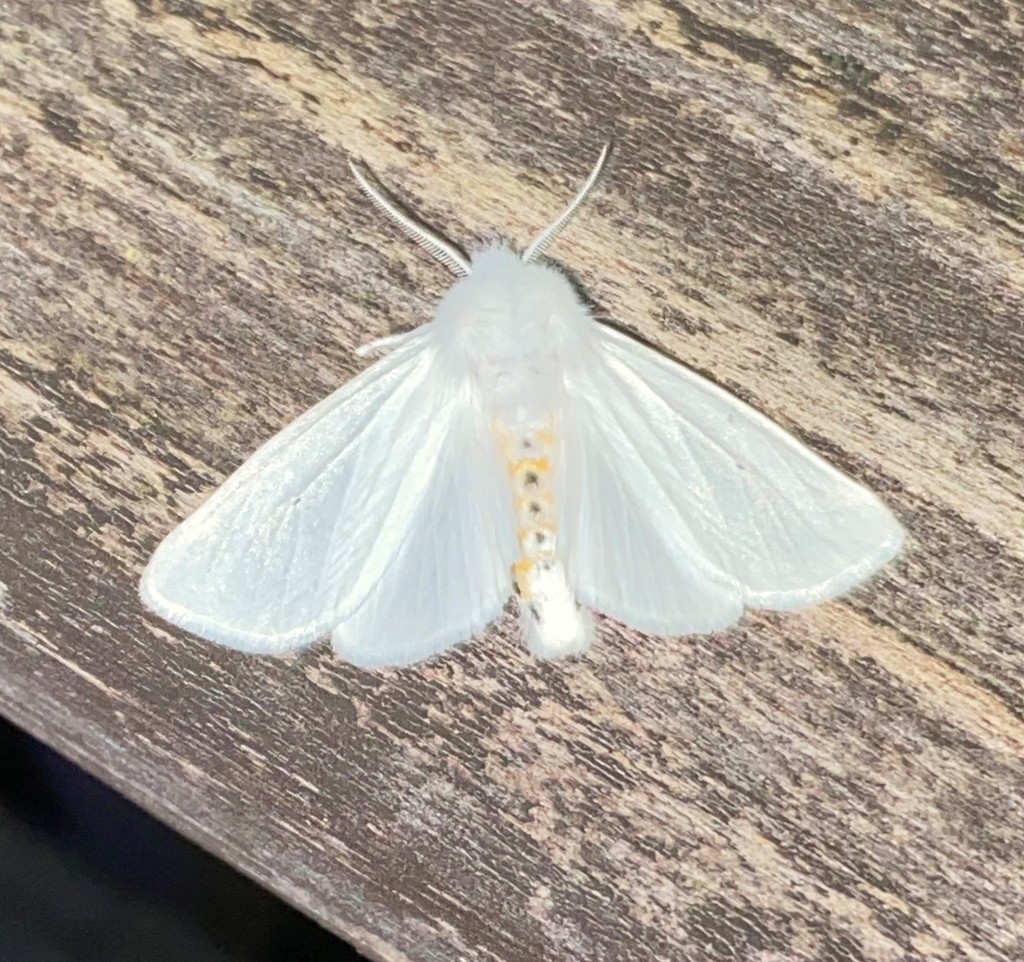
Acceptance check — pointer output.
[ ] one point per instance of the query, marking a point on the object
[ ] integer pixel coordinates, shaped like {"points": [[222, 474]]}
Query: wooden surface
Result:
{"points": [[817, 205]]}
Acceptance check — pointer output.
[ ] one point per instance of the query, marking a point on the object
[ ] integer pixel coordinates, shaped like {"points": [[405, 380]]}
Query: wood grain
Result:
{"points": [[819, 204]]}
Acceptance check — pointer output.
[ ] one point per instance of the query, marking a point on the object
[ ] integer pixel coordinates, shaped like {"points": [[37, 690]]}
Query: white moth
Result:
{"points": [[513, 444]]}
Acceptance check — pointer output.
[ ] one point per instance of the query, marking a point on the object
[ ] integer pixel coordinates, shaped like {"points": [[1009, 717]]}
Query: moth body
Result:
{"points": [[552, 622], [507, 335]]}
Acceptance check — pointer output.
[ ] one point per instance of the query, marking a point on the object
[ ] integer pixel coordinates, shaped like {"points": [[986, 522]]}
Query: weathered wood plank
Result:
{"points": [[821, 205]]}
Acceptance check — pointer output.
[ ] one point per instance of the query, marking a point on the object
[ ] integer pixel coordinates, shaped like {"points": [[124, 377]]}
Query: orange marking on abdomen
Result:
{"points": [[525, 466], [534, 500], [537, 541], [521, 576], [534, 504]]}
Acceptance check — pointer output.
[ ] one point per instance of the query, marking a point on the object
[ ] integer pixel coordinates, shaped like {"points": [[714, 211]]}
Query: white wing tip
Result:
{"points": [[240, 639], [838, 584]]}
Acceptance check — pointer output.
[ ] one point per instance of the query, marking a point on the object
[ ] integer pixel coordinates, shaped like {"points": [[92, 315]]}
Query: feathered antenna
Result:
{"points": [[546, 236], [434, 244]]}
